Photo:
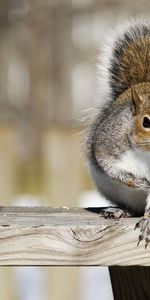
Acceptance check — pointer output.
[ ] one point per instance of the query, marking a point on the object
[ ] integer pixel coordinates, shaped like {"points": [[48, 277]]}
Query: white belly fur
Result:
{"points": [[135, 162]]}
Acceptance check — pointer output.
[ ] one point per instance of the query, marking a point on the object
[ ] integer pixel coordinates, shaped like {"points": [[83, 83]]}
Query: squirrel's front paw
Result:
{"points": [[144, 225], [115, 213]]}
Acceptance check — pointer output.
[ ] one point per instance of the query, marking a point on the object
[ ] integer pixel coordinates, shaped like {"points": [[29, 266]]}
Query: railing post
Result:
{"points": [[130, 283]]}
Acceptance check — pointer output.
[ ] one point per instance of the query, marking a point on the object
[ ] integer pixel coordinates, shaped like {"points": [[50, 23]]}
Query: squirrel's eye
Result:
{"points": [[146, 122]]}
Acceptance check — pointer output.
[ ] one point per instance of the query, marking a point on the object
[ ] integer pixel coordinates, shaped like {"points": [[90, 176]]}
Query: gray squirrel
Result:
{"points": [[118, 138]]}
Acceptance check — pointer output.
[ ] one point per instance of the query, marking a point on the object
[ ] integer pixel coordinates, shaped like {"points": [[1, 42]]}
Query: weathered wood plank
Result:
{"points": [[67, 237]]}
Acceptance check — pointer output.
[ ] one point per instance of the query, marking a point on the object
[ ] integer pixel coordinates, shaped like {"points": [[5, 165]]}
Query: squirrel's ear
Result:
{"points": [[136, 101]]}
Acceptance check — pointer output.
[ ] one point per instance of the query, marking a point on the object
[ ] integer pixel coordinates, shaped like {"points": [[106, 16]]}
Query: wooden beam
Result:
{"points": [[67, 237]]}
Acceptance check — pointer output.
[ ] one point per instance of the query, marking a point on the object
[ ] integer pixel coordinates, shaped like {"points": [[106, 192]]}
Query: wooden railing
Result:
{"points": [[68, 237]]}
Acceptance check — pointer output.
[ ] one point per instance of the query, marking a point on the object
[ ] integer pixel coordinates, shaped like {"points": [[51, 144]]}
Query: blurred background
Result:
{"points": [[48, 51]]}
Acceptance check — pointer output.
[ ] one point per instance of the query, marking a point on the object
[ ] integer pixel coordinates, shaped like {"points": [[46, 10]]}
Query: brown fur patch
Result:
{"points": [[137, 58], [130, 183]]}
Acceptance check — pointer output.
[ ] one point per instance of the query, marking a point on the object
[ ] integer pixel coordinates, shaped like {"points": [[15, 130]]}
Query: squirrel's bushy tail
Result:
{"points": [[129, 60]]}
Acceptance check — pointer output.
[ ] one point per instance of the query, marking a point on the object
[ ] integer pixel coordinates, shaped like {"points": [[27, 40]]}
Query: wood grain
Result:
{"points": [[68, 237]]}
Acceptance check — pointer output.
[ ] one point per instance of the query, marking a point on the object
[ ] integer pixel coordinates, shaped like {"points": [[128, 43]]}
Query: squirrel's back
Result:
{"points": [[126, 60]]}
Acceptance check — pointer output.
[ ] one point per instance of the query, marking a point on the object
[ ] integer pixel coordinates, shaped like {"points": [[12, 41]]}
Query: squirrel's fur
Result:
{"points": [[130, 61], [124, 59], [118, 139]]}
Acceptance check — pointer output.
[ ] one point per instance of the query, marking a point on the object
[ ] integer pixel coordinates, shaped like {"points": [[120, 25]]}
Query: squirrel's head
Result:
{"points": [[141, 113]]}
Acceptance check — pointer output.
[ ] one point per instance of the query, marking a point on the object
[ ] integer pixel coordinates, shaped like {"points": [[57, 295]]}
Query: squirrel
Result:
{"points": [[118, 138]]}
